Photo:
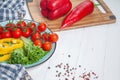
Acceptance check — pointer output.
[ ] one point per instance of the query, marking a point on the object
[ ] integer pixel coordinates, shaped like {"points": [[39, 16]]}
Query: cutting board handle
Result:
{"points": [[104, 6], [107, 10]]}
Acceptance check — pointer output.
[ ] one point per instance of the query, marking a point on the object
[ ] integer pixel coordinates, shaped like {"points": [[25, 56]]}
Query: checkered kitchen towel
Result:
{"points": [[13, 72], [12, 9]]}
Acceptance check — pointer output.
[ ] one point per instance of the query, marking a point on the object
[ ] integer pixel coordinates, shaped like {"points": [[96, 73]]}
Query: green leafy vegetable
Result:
{"points": [[28, 54]]}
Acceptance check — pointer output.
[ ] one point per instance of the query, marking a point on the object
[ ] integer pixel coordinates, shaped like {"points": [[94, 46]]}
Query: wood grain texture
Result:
{"points": [[96, 18]]}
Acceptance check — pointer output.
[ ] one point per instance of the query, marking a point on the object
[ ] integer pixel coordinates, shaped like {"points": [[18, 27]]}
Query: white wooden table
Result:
{"points": [[94, 49]]}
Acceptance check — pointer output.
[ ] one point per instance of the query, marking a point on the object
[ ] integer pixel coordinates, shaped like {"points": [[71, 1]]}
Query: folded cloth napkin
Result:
{"points": [[13, 72], [12, 9]]}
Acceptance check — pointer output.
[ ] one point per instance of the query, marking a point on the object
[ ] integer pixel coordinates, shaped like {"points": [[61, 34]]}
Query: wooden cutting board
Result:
{"points": [[96, 18]]}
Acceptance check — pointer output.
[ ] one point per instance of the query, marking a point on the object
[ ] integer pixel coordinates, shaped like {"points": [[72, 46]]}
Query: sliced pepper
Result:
{"points": [[9, 44], [4, 57]]}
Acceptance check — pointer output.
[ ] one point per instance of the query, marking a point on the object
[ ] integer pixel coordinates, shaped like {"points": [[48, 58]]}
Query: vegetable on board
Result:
{"points": [[53, 9], [80, 11]]}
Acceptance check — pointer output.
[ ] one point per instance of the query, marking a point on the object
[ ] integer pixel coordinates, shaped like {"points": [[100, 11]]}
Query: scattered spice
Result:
{"points": [[64, 71], [57, 71], [88, 75], [66, 78], [68, 73], [79, 66], [69, 56], [73, 78], [49, 67]]}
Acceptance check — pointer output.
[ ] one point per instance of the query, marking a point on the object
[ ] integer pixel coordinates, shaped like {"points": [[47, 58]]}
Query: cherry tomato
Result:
{"points": [[42, 27], [47, 46], [9, 26], [16, 32], [0, 36], [31, 25], [6, 34], [53, 37], [38, 43], [21, 24], [1, 29], [35, 36], [26, 32], [45, 36]]}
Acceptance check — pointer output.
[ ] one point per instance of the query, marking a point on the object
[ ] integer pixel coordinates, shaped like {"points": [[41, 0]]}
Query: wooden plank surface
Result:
{"points": [[96, 18]]}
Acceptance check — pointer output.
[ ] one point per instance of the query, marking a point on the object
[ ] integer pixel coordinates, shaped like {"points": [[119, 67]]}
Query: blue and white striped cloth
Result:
{"points": [[13, 72], [12, 9]]}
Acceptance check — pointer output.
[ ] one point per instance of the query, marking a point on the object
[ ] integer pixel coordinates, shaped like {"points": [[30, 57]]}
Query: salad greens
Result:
{"points": [[28, 54]]}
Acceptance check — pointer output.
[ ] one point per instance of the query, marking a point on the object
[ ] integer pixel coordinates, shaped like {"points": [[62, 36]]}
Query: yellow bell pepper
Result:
{"points": [[9, 44], [4, 57]]}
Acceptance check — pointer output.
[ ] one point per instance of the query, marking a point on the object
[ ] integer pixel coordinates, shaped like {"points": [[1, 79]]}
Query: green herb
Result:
{"points": [[28, 54]]}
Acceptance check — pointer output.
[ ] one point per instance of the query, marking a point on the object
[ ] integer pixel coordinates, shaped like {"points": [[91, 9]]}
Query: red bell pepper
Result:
{"points": [[53, 9], [43, 4], [52, 4], [83, 9], [58, 12]]}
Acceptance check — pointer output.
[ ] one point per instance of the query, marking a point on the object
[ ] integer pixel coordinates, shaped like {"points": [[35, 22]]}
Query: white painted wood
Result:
{"points": [[95, 48]]}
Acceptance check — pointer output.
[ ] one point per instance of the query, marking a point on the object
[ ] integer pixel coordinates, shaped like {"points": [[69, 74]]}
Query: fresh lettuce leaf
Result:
{"points": [[28, 54]]}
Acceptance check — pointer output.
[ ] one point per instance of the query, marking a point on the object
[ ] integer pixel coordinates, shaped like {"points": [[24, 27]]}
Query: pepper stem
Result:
{"points": [[96, 4]]}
